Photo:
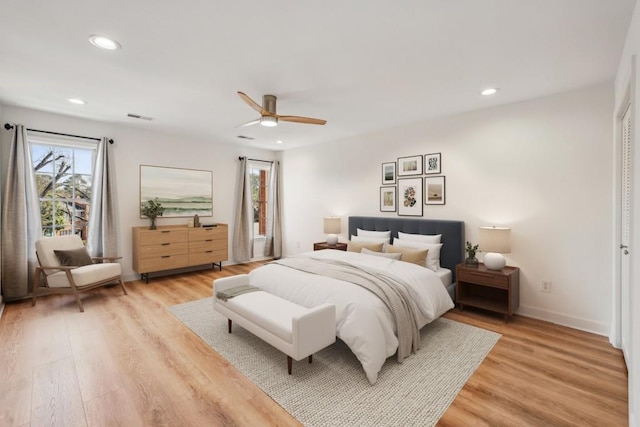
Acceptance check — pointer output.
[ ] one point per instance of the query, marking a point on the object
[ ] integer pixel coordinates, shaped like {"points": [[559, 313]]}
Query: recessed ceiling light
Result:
{"points": [[489, 91], [77, 101], [279, 141], [104, 42]]}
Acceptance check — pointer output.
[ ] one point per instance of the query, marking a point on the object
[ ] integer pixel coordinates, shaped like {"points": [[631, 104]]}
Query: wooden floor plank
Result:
{"points": [[56, 395], [128, 361]]}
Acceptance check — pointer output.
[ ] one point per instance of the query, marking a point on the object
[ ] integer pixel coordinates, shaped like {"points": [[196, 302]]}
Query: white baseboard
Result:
{"points": [[566, 320]]}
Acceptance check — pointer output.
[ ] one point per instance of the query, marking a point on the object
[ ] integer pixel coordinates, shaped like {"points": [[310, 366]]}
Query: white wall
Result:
{"points": [[542, 167], [626, 89], [134, 147]]}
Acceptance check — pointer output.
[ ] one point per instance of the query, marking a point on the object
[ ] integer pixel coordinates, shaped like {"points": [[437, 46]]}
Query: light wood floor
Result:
{"points": [[127, 361]]}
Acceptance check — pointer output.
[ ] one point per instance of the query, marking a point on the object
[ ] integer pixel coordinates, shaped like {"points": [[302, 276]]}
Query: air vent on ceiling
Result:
{"points": [[245, 137], [138, 116]]}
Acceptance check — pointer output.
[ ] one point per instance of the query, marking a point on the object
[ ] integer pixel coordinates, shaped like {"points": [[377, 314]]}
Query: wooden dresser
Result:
{"points": [[177, 246]]}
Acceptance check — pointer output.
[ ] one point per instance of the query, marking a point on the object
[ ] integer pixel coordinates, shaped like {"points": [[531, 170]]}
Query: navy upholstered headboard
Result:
{"points": [[452, 252]]}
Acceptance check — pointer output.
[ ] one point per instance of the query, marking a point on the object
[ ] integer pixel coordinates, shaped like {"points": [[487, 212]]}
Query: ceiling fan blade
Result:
{"points": [[251, 103], [298, 119], [252, 122]]}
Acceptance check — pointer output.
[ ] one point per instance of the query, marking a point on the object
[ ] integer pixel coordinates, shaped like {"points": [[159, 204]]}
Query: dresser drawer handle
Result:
{"points": [[166, 256], [208, 252], [166, 244], [165, 231], [209, 240]]}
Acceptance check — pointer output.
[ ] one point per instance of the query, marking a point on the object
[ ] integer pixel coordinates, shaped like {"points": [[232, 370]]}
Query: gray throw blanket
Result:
{"points": [[234, 292], [391, 290]]}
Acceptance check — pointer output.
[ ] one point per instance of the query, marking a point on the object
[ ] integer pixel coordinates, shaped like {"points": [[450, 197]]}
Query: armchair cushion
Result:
{"points": [[85, 275], [73, 257]]}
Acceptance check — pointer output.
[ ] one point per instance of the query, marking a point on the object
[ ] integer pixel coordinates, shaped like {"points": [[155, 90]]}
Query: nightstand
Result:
{"points": [[493, 290], [323, 245]]}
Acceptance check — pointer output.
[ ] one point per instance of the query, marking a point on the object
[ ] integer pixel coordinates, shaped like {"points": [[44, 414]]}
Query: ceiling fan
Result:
{"points": [[268, 116]]}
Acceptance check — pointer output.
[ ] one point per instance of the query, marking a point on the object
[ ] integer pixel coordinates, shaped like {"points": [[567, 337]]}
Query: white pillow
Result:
{"points": [[424, 238], [433, 256], [382, 254], [369, 233], [370, 239]]}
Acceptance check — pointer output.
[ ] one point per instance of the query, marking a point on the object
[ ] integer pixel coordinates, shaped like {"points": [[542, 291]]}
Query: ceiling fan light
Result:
{"points": [[269, 121]]}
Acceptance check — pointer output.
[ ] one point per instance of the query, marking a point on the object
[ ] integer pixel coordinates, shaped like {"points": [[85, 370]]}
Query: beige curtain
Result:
{"points": [[242, 232], [21, 225], [103, 231], [273, 241]]}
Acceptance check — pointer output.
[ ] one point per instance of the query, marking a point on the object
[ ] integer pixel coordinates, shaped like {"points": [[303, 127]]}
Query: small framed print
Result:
{"points": [[410, 165], [432, 163], [410, 197], [434, 189], [388, 199], [389, 173]]}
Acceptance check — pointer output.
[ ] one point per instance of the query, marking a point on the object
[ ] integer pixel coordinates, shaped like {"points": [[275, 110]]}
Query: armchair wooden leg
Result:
{"points": [[78, 301], [311, 358], [289, 363], [123, 288], [36, 285]]}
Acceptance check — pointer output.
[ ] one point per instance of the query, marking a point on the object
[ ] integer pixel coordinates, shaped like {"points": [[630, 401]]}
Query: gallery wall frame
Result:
{"points": [[411, 165], [389, 173], [410, 197], [182, 192], [433, 164], [388, 198], [434, 190]]}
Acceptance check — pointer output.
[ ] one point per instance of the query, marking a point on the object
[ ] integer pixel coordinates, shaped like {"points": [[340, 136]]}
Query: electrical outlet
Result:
{"points": [[545, 286]]}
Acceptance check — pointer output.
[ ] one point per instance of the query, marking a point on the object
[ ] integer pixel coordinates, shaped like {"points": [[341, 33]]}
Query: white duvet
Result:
{"points": [[363, 321]]}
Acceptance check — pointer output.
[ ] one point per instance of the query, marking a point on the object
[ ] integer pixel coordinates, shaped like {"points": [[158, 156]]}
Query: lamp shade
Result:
{"points": [[332, 225], [495, 239]]}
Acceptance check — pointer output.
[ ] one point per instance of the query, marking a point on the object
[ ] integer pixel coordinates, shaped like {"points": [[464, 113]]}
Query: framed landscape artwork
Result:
{"points": [[388, 199], [432, 163], [410, 197], [181, 192], [389, 173], [410, 165], [435, 190]]}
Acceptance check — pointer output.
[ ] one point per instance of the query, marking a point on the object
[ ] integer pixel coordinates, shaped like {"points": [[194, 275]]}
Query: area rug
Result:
{"points": [[333, 390]]}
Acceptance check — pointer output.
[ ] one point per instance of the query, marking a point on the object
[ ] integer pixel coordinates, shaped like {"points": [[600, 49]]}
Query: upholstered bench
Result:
{"points": [[293, 329]]}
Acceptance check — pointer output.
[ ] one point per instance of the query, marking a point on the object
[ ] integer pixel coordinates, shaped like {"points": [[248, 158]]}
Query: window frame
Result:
{"points": [[80, 209]]}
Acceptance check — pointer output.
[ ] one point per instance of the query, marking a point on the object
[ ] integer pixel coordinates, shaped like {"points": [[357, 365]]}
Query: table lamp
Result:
{"points": [[495, 241], [332, 228]]}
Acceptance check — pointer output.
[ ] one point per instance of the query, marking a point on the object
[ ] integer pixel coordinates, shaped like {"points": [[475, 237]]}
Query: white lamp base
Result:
{"points": [[332, 240], [494, 261]]}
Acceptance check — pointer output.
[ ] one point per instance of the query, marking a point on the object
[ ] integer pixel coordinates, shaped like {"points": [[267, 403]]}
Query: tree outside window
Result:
{"points": [[63, 178], [259, 190]]}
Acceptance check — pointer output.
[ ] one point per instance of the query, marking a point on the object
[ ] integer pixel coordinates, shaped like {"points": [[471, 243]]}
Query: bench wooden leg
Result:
{"points": [[289, 363], [311, 358], [229, 322]]}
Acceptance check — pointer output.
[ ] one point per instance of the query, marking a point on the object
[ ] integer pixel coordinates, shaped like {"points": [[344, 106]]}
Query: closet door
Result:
{"points": [[625, 234]]}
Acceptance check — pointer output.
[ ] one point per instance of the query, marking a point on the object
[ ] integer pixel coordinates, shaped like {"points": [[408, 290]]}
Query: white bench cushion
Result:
{"points": [[268, 311]]}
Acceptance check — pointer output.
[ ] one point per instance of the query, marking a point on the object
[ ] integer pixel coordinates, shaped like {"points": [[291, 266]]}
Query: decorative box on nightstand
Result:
{"points": [[493, 290], [323, 245]]}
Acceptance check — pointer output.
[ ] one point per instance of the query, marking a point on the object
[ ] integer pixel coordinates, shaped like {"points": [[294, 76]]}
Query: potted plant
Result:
{"points": [[471, 260], [152, 209]]}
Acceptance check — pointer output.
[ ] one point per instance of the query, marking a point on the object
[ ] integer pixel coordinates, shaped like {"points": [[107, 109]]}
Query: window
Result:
{"points": [[64, 172], [259, 174]]}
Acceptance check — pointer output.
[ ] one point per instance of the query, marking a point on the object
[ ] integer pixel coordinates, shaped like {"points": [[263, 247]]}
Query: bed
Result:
{"points": [[363, 321]]}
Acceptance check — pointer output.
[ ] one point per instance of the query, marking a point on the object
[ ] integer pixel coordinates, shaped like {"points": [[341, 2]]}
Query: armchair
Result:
{"points": [[61, 278]]}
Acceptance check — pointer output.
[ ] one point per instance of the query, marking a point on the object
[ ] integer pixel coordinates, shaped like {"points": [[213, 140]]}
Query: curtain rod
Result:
{"points": [[255, 160], [8, 126]]}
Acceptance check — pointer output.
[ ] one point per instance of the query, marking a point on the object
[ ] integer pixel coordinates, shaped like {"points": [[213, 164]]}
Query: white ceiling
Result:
{"points": [[362, 65]]}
